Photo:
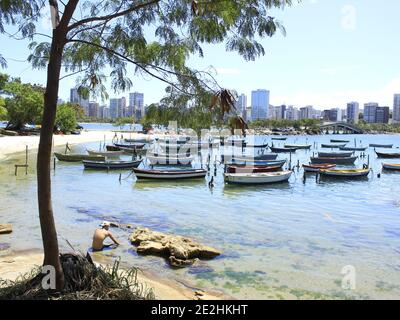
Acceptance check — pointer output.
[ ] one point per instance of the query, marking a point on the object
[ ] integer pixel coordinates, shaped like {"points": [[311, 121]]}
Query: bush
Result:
{"points": [[66, 118]]}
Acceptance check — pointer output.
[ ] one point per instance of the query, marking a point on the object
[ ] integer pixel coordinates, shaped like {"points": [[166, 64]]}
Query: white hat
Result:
{"points": [[105, 224]]}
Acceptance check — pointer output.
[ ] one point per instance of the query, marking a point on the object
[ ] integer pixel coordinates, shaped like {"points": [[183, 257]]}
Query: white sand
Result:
{"points": [[10, 145]]}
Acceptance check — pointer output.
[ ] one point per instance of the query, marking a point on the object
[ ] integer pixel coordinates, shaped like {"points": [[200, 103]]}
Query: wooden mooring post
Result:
{"points": [[23, 165]]}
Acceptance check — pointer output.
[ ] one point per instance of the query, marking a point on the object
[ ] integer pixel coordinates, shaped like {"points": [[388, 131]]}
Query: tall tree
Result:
{"points": [[93, 37]]}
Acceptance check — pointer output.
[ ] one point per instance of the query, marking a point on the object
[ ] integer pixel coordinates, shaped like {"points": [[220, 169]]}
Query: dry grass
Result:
{"points": [[83, 281]]}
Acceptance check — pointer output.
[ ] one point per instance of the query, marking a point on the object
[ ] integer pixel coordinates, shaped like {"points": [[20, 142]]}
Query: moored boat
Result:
{"points": [[262, 157], [108, 154], [170, 160], [252, 169], [257, 178], [376, 145], [169, 174], [112, 148], [387, 155], [110, 165], [353, 148], [391, 166], [283, 150], [333, 160], [137, 140], [130, 145], [339, 141], [298, 146], [75, 157], [265, 145], [318, 167], [336, 154], [333, 145], [354, 173], [259, 163], [279, 138]]}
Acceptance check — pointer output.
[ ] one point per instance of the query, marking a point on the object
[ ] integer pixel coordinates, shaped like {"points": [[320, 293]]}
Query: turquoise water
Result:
{"points": [[287, 240]]}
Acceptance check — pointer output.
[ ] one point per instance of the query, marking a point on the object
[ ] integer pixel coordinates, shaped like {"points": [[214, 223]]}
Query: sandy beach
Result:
{"points": [[10, 145], [15, 264]]}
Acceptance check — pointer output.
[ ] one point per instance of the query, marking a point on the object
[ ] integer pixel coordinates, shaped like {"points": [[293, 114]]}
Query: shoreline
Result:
{"points": [[14, 264]]}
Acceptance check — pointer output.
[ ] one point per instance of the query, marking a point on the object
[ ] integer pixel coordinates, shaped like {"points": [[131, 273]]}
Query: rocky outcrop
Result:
{"points": [[5, 228], [179, 251]]}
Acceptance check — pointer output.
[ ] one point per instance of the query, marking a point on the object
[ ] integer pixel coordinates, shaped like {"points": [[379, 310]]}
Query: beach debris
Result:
{"points": [[179, 251], [5, 228]]}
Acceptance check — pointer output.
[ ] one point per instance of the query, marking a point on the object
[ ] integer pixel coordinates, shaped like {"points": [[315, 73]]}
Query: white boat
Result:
{"points": [[169, 174], [108, 154], [257, 178]]}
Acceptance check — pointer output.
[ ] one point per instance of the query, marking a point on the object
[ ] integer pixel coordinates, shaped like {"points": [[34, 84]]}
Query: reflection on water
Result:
{"points": [[278, 241]]}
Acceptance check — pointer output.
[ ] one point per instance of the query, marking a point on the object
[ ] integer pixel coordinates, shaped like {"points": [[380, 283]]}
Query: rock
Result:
{"points": [[152, 247], [181, 251], [180, 263], [5, 228]]}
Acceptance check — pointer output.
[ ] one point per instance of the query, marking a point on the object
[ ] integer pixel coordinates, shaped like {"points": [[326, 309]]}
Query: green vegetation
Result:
{"points": [[66, 117], [3, 110], [379, 127], [23, 101], [311, 124]]}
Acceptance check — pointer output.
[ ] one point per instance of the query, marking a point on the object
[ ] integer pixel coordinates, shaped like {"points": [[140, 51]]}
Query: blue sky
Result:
{"points": [[335, 51]]}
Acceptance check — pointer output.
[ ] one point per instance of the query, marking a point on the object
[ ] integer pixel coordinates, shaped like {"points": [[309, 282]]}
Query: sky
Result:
{"points": [[334, 52]]}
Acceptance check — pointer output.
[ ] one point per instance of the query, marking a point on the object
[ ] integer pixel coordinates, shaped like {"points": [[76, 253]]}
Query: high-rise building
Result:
{"points": [[333, 115], [382, 115], [117, 106], [93, 109], [353, 112], [291, 113], [241, 105], [259, 104], [307, 112], [74, 97], [370, 112], [396, 108], [136, 105]]}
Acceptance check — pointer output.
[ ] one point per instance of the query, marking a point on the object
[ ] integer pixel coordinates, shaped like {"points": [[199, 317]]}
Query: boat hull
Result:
{"points": [[170, 174], [258, 163], [252, 169], [357, 173], [353, 148], [298, 146], [111, 165], [283, 150], [317, 168], [335, 154], [322, 160], [257, 178], [77, 157], [387, 155], [108, 154], [185, 160], [387, 146], [389, 166], [333, 146]]}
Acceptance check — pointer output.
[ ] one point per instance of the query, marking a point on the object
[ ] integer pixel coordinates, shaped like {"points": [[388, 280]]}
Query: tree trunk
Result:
{"points": [[48, 228]]}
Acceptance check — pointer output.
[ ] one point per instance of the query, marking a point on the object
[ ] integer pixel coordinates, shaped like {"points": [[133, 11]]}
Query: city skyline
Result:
{"points": [[356, 62]]}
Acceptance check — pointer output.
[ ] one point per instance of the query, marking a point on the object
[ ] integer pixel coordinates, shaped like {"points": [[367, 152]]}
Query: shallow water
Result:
{"points": [[287, 240]]}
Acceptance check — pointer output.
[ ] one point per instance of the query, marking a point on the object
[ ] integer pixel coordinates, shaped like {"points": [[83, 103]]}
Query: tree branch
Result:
{"points": [[112, 16]]}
